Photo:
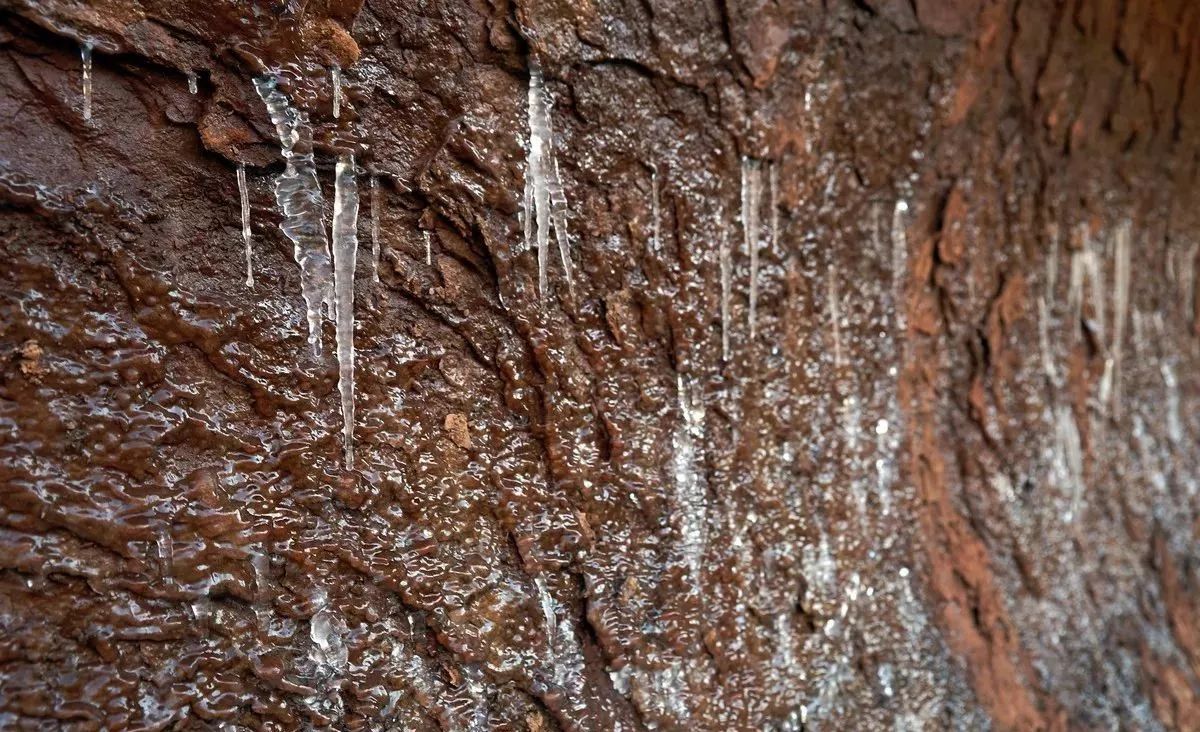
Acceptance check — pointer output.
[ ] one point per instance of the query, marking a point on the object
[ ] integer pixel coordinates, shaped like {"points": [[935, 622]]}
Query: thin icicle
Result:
{"points": [[835, 316], [376, 211], [1121, 277], [899, 235], [726, 258], [773, 187], [244, 195], [545, 201], [751, 202], [428, 249], [345, 249], [85, 54], [193, 83], [298, 193], [655, 213], [558, 215], [335, 75]]}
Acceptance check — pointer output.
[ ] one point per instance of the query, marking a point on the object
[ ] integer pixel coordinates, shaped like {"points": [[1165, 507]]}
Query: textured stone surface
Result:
{"points": [[951, 483]]}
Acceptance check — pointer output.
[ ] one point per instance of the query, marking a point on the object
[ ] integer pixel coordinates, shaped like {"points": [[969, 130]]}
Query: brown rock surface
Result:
{"points": [[951, 482]]}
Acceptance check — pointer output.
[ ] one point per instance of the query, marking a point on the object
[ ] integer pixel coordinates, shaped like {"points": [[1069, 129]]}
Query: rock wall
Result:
{"points": [[772, 365]]}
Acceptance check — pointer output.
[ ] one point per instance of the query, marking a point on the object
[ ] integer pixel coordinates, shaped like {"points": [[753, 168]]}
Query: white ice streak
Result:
{"points": [[85, 55], [244, 196], [298, 194], [193, 83], [545, 201], [345, 248], [428, 249]]}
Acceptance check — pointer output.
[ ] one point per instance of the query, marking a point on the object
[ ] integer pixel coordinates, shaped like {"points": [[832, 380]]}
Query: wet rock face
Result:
{"points": [[946, 480]]}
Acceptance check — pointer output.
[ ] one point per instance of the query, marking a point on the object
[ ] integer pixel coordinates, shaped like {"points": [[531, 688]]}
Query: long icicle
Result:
{"points": [[345, 249], [85, 54], [298, 193], [244, 195], [535, 171]]}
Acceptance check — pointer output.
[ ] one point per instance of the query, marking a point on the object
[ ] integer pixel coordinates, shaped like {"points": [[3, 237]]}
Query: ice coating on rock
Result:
{"points": [[545, 201], [335, 76], [244, 196], [345, 249], [376, 211], [193, 83], [298, 193], [85, 54], [428, 249], [751, 203]]}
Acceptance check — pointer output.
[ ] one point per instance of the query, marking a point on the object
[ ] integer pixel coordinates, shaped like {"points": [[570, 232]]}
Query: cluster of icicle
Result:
{"points": [[545, 202], [325, 280]]}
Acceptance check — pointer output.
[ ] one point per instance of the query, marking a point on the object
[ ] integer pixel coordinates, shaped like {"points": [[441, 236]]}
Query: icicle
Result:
{"points": [[376, 210], [751, 201], [835, 316], [1121, 277], [85, 53], [545, 201], [1052, 264], [773, 187], [345, 248], [655, 213], [428, 250], [336, 76], [726, 257], [193, 83], [899, 260], [298, 193], [1044, 341], [244, 195], [558, 215]]}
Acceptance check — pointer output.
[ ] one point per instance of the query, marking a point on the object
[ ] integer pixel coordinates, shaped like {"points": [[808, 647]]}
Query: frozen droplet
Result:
{"points": [[85, 53], [298, 193], [345, 248], [335, 75], [244, 196]]}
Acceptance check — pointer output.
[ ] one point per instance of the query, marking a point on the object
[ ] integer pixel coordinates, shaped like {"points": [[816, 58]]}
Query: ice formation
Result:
{"points": [[345, 248]]}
